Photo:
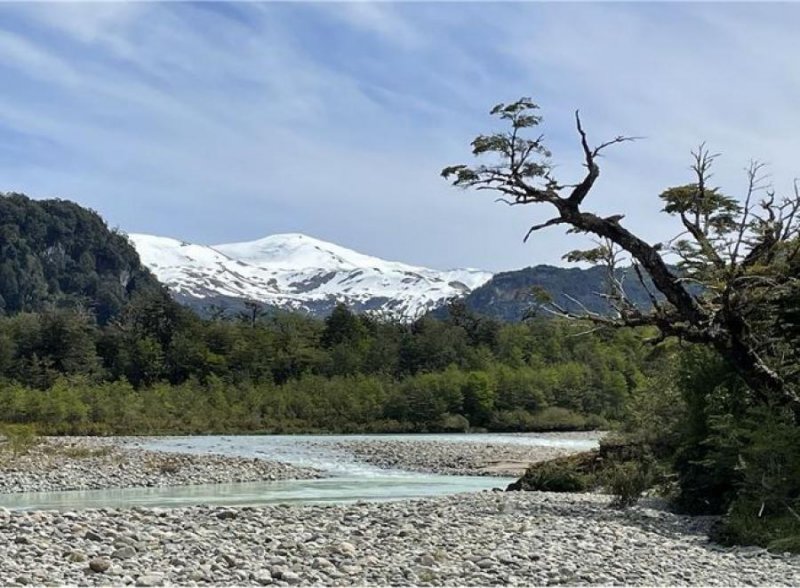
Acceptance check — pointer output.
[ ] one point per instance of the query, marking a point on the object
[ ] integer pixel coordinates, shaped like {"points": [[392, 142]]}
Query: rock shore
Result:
{"points": [[91, 463], [451, 457], [475, 539]]}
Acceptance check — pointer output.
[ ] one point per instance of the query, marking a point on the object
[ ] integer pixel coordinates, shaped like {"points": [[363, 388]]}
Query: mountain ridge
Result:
{"points": [[512, 295], [294, 271]]}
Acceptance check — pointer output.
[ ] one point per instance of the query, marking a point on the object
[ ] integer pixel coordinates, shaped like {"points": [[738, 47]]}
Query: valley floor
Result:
{"points": [[487, 538], [483, 538]]}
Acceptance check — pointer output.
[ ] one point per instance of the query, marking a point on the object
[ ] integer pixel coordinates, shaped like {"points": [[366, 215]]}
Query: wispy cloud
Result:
{"points": [[216, 122]]}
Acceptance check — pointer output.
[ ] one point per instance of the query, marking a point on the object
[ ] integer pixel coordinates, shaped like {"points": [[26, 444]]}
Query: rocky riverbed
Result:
{"points": [[464, 458], [90, 463], [486, 538]]}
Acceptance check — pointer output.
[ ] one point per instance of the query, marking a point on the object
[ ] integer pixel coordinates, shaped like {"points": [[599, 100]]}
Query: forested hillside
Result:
{"points": [[513, 295], [57, 254]]}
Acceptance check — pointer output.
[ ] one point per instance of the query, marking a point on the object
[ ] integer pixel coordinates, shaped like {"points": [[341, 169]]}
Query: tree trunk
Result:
{"points": [[762, 380], [663, 278]]}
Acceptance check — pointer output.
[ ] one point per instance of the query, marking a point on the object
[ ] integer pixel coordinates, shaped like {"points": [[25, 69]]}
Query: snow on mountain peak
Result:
{"points": [[297, 251], [299, 272]]}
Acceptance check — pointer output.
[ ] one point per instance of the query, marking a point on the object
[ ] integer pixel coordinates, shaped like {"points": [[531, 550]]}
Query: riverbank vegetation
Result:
{"points": [[161, 369], [690, 436]]}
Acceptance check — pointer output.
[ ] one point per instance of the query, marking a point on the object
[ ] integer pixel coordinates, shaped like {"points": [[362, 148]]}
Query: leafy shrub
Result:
{"points": [[706, 460], [85, 452], [594, 422], [518, 419], [766, 508], [553, 476], [454, 423], [627, 481], [555, 418], [790, 543], [657, 410], [20, 439], [744, 526]]}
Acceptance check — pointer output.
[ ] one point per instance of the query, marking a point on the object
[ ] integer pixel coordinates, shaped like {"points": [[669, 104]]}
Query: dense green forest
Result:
{"points": [[160, 368]]}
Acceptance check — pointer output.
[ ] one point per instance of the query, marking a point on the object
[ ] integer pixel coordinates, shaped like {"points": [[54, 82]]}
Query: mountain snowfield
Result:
{"points": [[297, 272]]}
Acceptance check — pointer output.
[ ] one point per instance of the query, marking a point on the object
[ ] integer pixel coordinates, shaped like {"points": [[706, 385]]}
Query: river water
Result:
{"points": [[348, 479], [320, 451]]}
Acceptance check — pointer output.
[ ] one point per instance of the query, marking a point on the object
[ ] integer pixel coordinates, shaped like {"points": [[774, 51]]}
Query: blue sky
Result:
{"points": [[227, 122]]}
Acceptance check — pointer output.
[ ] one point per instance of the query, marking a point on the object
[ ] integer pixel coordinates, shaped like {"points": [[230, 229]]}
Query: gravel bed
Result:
{"points": [[477, 539], [92, 463], [451, 457]]}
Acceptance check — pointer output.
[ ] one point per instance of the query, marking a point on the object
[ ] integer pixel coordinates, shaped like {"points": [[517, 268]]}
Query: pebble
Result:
{"points": [[99, 565], [150, 580], [77, 556], [124, 553], [197, 575], [291, 578], [427, 560]]}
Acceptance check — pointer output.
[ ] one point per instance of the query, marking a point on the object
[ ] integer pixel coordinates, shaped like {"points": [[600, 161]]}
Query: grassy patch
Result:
{"points": [[169, 466], [85, 452]]}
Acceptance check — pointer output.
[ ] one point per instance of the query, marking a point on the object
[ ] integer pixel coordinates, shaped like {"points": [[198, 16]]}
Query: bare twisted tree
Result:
{"points": [[708, 285]]}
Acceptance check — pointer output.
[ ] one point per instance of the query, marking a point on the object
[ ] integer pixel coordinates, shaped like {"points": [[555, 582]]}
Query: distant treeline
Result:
{"points": [[159, 368]]}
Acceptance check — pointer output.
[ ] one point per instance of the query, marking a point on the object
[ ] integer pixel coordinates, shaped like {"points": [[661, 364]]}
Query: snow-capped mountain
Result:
{"points": [[297, 272]]}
